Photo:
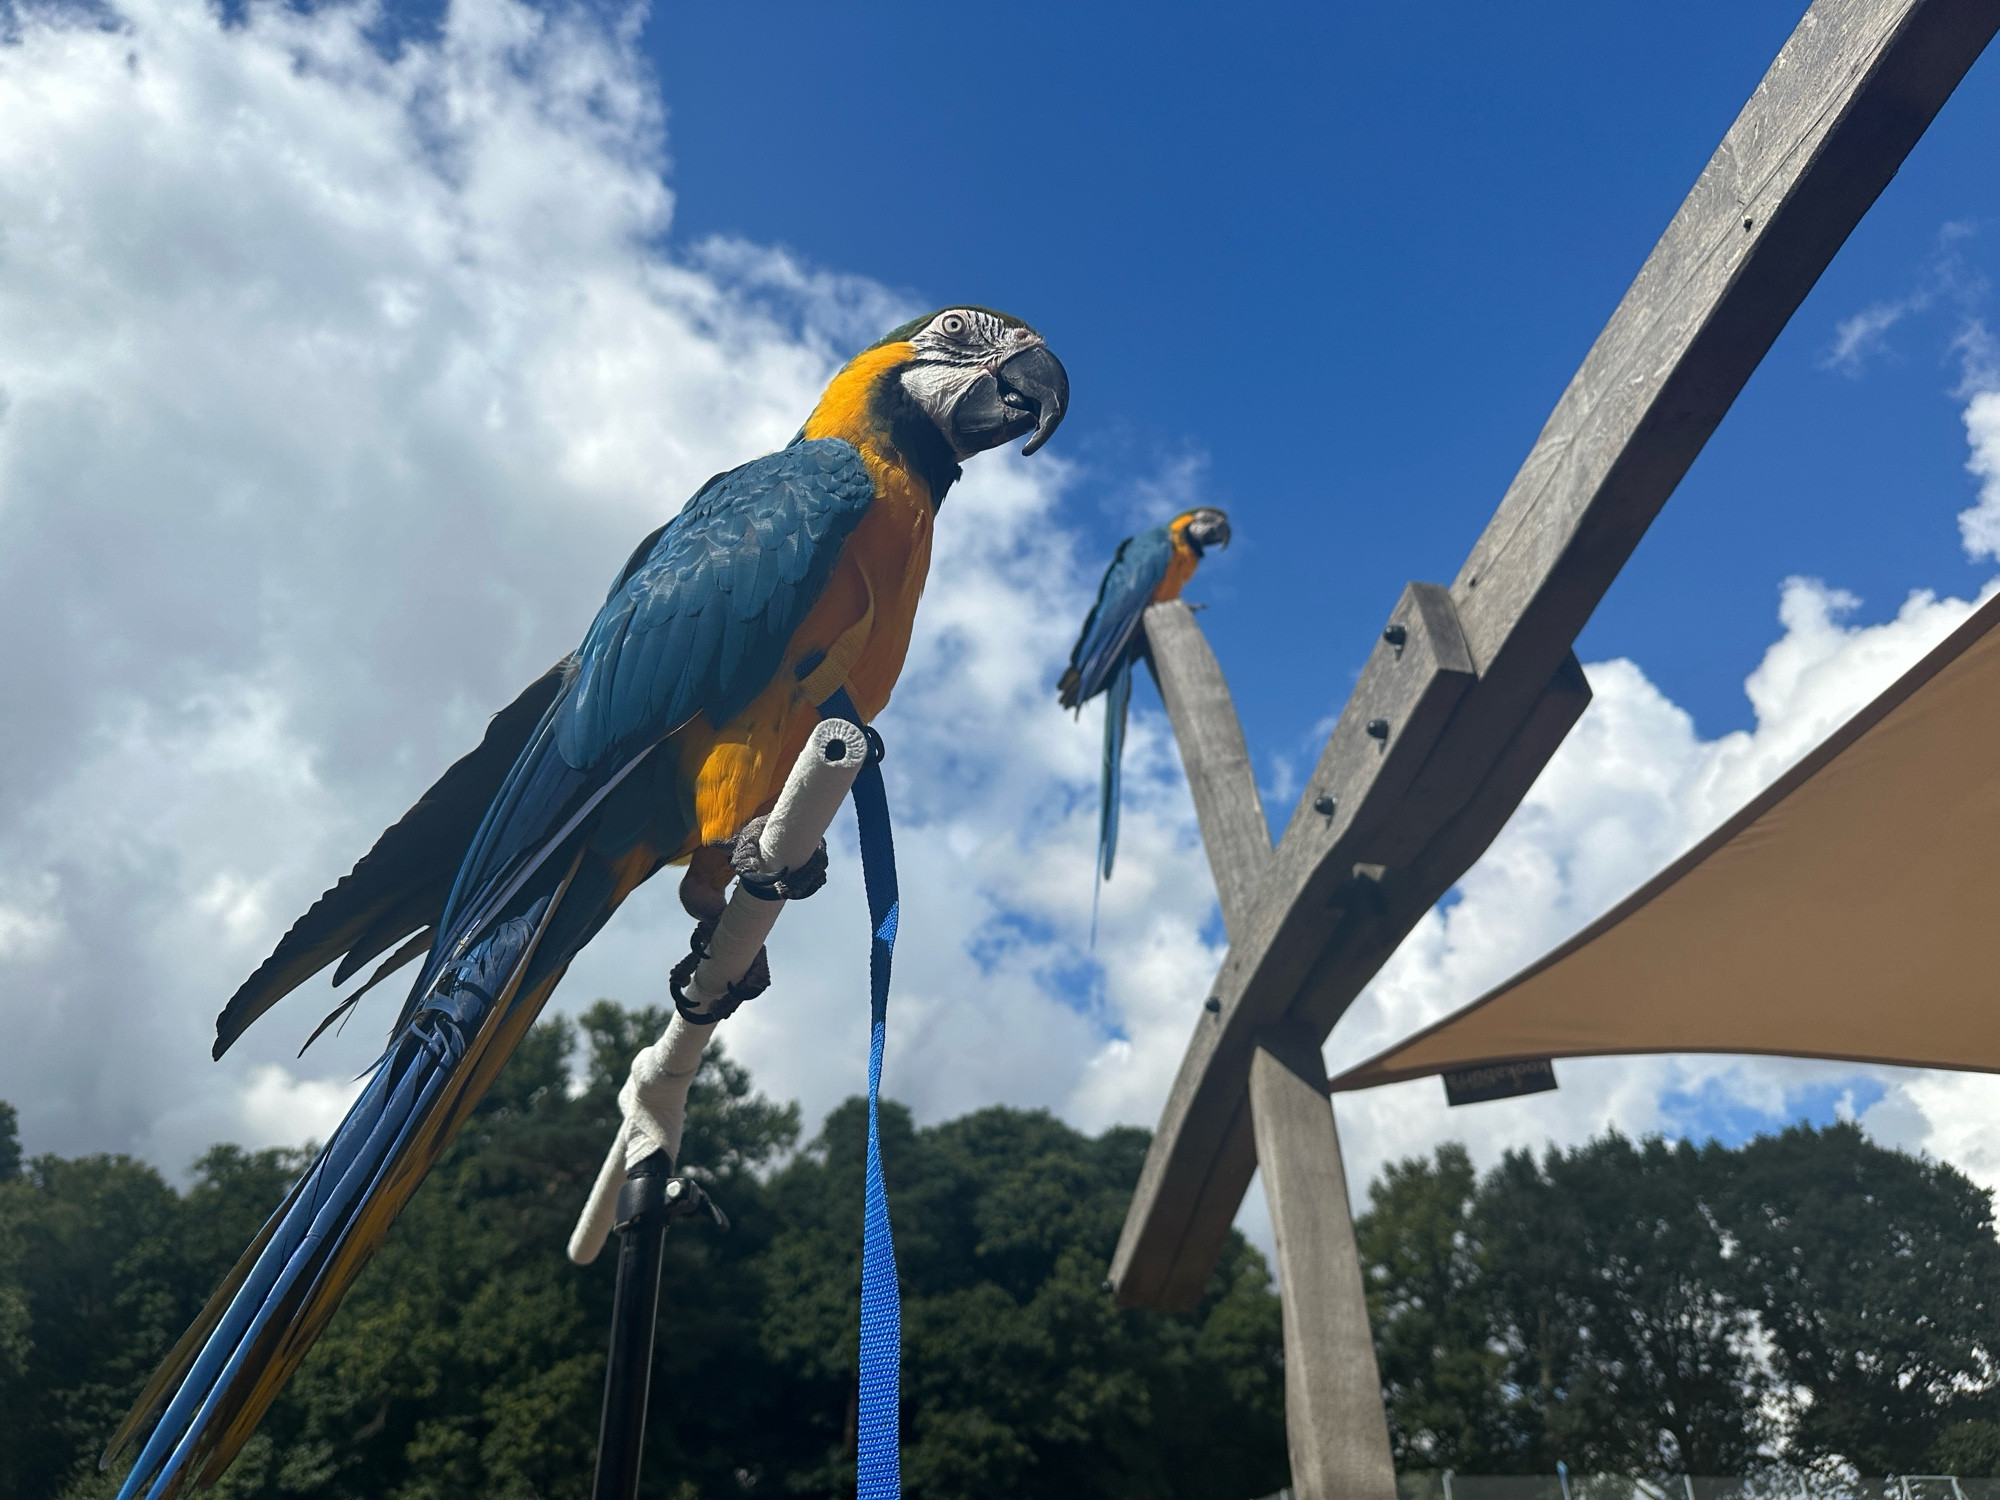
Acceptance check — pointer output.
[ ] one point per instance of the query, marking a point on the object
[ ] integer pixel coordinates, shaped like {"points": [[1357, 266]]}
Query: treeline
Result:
{"points": [[1645, 1308], [468, 1361], [1665, 1309]]}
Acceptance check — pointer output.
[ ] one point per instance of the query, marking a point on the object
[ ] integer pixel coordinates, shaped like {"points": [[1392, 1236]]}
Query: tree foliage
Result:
{"points": [[1659, 1308], [468, 1359], [1646, 1307]]}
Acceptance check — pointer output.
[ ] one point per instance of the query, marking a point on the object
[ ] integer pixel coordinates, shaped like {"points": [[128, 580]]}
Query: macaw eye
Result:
{"points": [[953, 325]]}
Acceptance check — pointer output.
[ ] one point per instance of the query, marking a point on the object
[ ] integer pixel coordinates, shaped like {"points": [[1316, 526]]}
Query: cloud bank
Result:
{"points": [[333, 389]]}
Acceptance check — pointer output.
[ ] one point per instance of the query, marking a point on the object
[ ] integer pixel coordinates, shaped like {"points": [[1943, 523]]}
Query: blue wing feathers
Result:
{"points": [[1137, 569], [707, 597], [696, 626]]}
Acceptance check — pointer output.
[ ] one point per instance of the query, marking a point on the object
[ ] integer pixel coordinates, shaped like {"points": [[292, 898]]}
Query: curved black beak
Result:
{"points": [[1037, 376], [1028, 394]]}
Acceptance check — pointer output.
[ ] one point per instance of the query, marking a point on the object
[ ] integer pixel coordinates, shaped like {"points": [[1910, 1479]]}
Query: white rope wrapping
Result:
{"points": [[654, 1097]]}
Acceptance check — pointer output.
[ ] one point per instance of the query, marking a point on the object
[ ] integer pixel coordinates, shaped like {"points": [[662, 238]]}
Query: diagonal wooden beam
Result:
{"points": [[1471, 689]]}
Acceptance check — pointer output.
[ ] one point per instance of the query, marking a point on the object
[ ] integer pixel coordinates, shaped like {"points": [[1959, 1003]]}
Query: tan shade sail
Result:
{"points": [[1848, 912]]}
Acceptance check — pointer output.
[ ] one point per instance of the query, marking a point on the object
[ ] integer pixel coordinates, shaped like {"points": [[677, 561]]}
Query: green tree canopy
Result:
{"points": [[1658, 1308], [1877, 1276], [468, 1359], [1443, 1371]]}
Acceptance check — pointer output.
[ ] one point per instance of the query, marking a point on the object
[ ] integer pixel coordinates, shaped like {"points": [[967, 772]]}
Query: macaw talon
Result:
{"points": [[756, 979], [746, 858]]}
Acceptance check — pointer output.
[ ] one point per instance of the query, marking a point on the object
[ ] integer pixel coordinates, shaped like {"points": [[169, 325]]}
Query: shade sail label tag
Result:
{"points": [[1499, 1081]]}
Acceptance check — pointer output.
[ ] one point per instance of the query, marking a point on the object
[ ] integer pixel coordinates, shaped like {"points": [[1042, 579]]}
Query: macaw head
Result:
{"points": [[1200, 528], [982, 377]]}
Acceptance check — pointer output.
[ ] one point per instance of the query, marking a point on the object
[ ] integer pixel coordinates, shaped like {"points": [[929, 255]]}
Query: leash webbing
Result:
{"points": [[878, 1455]]}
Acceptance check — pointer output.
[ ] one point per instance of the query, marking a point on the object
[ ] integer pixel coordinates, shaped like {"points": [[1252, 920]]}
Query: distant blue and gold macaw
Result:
{"points": [[672, 726], [1149, 568]]}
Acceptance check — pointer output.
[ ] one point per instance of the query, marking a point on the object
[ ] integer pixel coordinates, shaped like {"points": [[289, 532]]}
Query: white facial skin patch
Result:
{"points": [[954, 349]]}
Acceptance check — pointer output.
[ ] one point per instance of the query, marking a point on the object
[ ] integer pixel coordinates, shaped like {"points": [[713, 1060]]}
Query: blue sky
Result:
{"points": [[1345, 257], [343, 357], [1330, 266]]}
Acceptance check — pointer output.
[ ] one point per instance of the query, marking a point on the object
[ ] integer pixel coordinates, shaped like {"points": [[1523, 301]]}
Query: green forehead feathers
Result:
{"points": [[916, 325]]}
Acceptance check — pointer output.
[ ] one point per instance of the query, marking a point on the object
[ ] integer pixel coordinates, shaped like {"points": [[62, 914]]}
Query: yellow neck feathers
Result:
{"points": [[898, 441], [844, 410], [1181, 566]]}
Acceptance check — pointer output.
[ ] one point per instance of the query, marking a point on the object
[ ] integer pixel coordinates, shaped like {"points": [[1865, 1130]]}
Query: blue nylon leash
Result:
{"points": [[878, 1446]]}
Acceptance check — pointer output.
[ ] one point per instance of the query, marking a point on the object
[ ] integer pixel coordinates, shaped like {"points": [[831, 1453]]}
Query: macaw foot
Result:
{"points": [[756, 979], [746, 858], [702, 894], [704, 889]]}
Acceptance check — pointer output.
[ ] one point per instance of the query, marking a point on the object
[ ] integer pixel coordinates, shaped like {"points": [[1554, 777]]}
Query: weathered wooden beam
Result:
{"points": [[1234, 830], [1406, 693], [1849, 95], [1335, 1428], [1337, 1431], [1408, 890], [1382, 913]]}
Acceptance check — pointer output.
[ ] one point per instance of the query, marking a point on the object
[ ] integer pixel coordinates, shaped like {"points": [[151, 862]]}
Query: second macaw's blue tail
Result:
{"points": [[250, 1337], [1117, 699]]}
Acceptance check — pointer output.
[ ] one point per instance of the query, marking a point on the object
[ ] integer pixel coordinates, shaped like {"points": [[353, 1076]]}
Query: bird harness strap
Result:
{"points": [[878, 1459]]}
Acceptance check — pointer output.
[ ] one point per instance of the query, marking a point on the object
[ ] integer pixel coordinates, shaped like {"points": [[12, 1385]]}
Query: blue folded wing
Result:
{"points": [[701, 624], [1101, 662], [1109, 632], [698, 624]]}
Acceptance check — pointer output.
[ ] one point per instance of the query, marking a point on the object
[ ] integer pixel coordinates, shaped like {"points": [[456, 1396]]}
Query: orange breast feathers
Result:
{"points": [[858, 632], [1181, 566]]}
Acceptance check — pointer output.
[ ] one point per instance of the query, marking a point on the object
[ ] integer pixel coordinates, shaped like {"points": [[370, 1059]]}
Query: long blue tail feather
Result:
{"points": [[321, 1238], [315, 1223], [1117, 698], [353, 1162]]}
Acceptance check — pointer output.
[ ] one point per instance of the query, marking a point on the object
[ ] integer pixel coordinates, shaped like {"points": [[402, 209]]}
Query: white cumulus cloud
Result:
{"points": [[1631, 789], [336, 387], [1979, 524]]}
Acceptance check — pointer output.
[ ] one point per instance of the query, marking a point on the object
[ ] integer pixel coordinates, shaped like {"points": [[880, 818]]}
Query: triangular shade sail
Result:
{"points": [[1849, 911]]}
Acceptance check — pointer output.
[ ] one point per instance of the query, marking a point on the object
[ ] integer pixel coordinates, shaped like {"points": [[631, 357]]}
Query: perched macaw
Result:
{"points": [[1149, 568], [653, 744]]}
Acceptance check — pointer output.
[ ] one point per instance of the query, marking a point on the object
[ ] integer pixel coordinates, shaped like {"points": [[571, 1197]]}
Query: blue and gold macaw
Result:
{"points": [[1149, 568], [672, 726]]}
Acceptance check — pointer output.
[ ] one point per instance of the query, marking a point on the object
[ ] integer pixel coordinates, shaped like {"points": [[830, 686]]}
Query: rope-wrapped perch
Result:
{"points": [[773, 862]]}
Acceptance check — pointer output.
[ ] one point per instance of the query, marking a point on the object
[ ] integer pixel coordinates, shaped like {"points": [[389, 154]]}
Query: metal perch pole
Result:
{"points": [[650, 1200]]}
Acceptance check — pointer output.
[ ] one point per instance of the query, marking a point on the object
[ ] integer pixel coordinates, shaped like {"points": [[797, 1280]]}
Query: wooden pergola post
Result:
{"points": [[1335, 1431], [1470, 690]]}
